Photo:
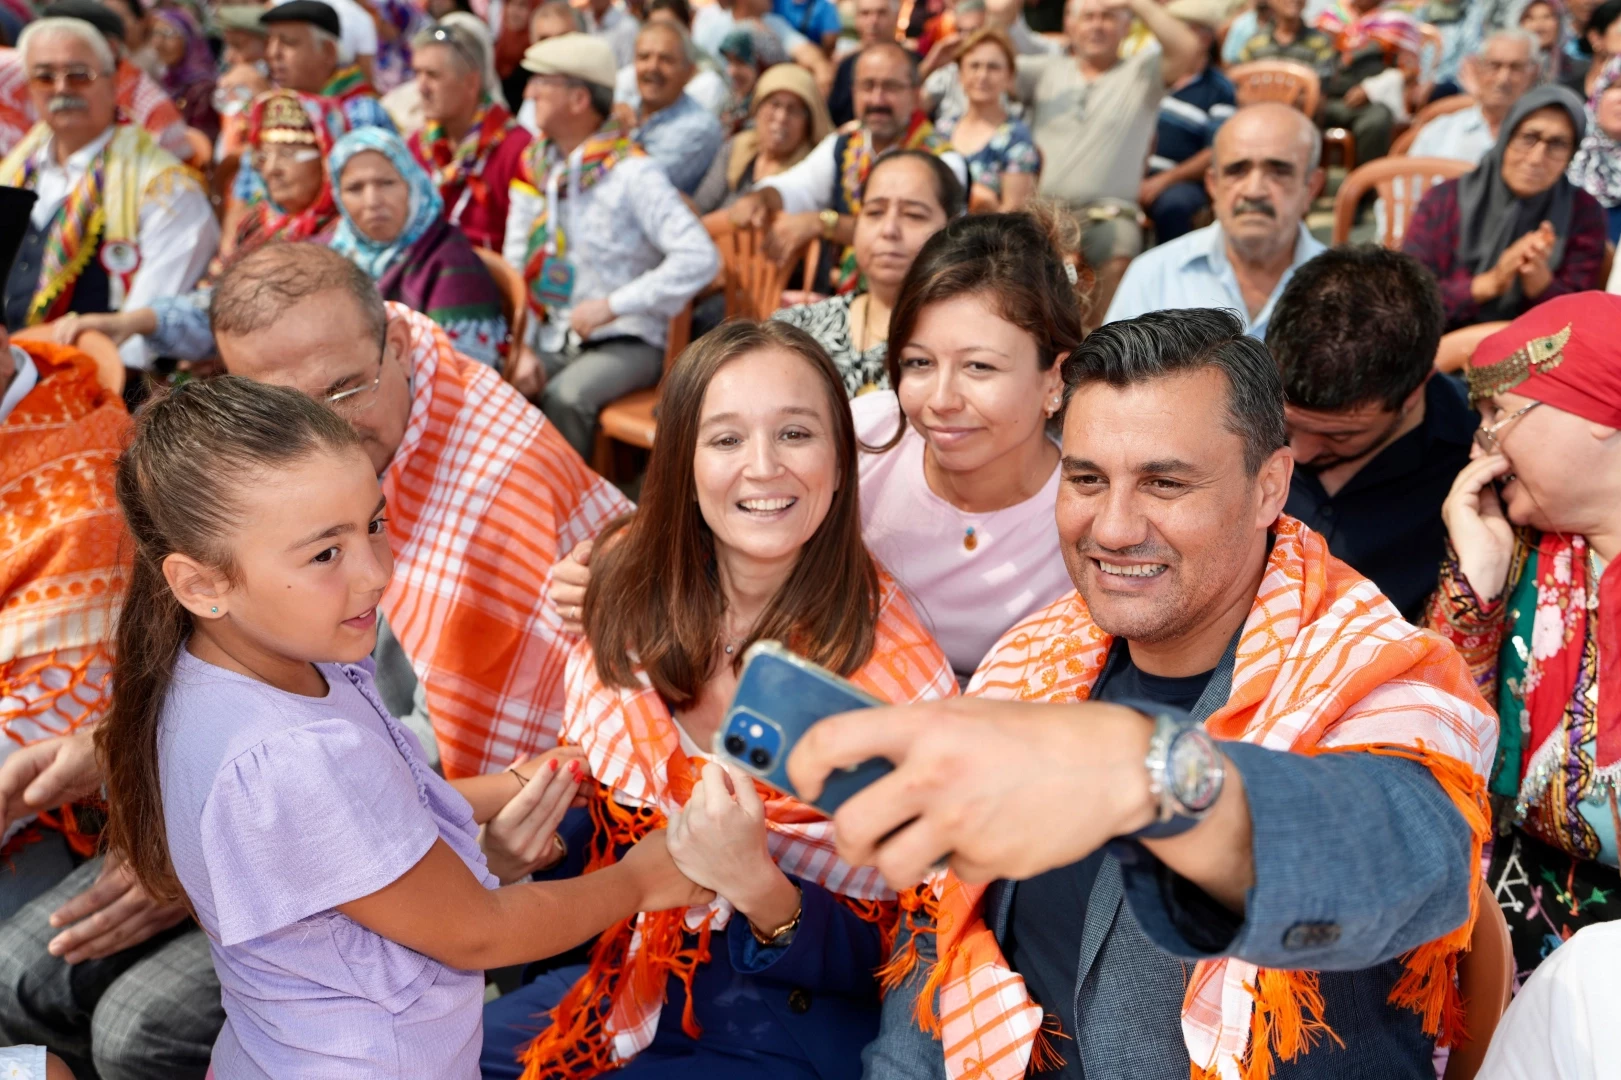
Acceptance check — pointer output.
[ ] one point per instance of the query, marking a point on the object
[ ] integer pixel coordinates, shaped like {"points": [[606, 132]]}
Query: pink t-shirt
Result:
{"points": [[967, 598]]}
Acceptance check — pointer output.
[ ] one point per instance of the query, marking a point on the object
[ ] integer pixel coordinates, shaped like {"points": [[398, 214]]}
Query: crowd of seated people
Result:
{"points": [[359, 723]]}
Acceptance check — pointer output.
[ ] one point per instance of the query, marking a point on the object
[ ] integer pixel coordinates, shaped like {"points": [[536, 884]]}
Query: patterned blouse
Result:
{"points": [[828, 321], [1012, 149]]}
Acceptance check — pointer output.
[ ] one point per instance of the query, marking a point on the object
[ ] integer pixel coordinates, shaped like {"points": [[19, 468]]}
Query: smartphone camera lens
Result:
{"points": [[760, 757], [735, 745]]}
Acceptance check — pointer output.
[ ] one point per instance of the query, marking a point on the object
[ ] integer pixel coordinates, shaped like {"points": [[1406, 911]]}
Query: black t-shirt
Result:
{"points": [[1043, 941]]}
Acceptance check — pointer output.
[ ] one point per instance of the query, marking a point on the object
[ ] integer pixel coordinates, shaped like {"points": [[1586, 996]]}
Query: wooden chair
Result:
{"points": [[1277, 80], [514, 300], [99, 347], [630, 421], [1450, 104], [1418, 175], [1486, 981], [1457, 347], [751, 279]]}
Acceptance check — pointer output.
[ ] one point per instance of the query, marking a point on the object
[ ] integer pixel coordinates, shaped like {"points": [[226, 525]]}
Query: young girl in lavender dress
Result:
{"points": [[251, 767]]}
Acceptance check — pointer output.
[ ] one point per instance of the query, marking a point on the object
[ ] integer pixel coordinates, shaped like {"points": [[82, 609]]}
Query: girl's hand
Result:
{"points": [[566, 593], [658, 881], [1481, 535], [522, 837], [719, 840]]}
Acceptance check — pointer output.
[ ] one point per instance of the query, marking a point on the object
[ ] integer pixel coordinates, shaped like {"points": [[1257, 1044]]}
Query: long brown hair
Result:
{"points": [[655, 599], [1020, 261], [193, 450]]}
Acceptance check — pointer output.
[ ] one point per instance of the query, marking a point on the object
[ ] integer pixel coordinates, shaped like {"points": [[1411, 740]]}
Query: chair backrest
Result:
{"points": [[1486, 981], [514, 298], [1415, 176], [1276, 80], [1457, 347], [94, 344], [753, 282], [1450, 104]]}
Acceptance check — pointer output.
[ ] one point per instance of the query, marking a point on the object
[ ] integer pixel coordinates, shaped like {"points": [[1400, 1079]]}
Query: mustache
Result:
{"points": [[877, 110], [1147, 552], [1255, 206], [66, 103]]}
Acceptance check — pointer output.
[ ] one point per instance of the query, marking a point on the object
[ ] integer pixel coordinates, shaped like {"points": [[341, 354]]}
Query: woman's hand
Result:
{"points": [[1535, 275], [719, 840], [1481, 535], [566, 593], [658, 881], [522, 837]]}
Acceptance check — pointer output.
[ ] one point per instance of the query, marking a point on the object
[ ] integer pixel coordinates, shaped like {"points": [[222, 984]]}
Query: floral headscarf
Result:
{"points": [[426, 206], [1596, 168]]}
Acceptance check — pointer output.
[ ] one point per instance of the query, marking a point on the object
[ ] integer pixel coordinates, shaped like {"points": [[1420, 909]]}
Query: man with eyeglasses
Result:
{"points": [[1530, 594], [1378, 436], [119, 221], [1501, 73], [821, 195], [470, 144]]}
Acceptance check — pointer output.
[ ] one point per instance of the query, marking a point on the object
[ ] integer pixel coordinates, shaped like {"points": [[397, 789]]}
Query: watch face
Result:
{"points": [[1194, 770]]}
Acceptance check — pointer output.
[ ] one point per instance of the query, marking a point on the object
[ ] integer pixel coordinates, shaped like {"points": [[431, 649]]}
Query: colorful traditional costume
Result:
{"points": [[646, 771], [62, 562], [474, 175], [430, 267], [1547, 653], [1323, 664], [484, 496]]}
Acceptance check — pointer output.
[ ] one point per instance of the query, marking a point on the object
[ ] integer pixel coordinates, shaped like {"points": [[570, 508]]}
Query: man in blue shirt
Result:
{"points": [[1262, 179], [1190, 114], [818, 20], [675, 130]]}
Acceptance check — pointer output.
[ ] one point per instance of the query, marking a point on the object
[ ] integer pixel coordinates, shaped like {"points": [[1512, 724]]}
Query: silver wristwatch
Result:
{"points": [[1185, 774]]}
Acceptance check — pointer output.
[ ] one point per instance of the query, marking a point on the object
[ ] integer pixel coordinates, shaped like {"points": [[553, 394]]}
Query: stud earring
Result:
{"points": [[215, 610]]}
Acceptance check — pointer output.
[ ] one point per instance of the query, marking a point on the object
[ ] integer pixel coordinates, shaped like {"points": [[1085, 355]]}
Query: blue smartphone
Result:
{"points": [[779, 696]]}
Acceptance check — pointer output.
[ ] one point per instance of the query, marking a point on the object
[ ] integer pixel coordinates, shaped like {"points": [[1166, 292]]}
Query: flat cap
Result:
{"points": [[323, 16], [579, 56], [240, 17], [100, 16]]}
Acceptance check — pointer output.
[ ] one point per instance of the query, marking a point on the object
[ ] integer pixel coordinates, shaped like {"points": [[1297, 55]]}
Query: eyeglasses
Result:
{"points": [[1527, 141], [1488, 437], [1500, 67], [458, 39], [888, 86], [77, 77], [352, 402], [301, 155]]}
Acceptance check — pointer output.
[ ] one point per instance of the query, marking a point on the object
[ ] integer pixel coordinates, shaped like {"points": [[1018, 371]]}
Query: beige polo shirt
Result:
{"points": [[1094, 136]]}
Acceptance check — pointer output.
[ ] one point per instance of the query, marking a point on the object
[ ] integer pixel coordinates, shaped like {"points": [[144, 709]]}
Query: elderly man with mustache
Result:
{"points": [[1262, 180], [119, 221]]}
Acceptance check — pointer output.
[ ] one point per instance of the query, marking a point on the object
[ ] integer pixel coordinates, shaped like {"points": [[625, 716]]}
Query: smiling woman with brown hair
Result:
{"points": [[749, 529], [1515, 232]]}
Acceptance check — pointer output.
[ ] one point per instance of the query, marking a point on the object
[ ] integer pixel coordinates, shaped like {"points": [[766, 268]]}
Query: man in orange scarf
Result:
{"points": [[1261, 838], [483, 493]]}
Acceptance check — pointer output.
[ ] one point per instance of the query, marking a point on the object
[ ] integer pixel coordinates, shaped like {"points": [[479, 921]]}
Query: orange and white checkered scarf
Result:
{"points": [[62, 554], [484, 496], [634, 748], [1325, 663]]}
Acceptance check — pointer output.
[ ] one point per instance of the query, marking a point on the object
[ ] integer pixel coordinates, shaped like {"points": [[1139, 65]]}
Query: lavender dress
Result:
{"points": [[280, 807]]}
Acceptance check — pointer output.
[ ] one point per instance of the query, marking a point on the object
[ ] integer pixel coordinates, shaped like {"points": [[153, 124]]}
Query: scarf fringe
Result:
{"points": [[579, 1043]]}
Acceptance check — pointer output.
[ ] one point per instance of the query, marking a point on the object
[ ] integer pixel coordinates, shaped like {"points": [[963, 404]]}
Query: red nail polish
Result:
{"points": [[552, 765]]}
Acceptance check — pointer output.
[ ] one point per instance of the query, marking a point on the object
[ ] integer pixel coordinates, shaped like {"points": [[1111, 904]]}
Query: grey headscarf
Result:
{"points": [[1491, 217]]}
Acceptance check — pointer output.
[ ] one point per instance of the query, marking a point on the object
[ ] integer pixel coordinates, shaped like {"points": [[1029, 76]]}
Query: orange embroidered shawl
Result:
{"points": [[635, 751], [62, 555], [483, 497], [1324, 663]]}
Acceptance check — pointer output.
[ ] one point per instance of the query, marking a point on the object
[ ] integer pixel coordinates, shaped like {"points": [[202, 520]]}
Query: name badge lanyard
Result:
{"points": [[555, 289]]}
